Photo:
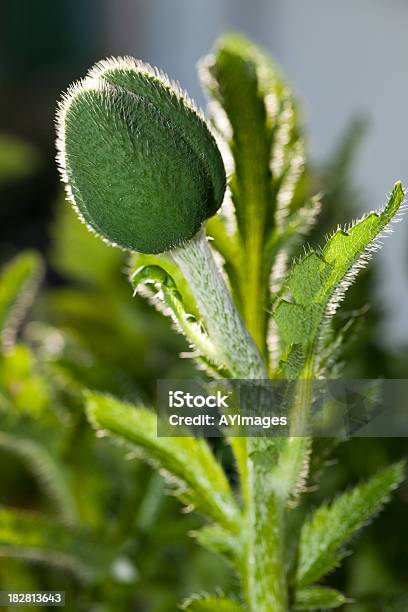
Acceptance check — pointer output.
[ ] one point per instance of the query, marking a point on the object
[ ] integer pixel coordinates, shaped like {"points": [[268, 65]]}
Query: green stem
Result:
{"points": [[264, 574], [265, 580], [270, 492], [225, 328]]}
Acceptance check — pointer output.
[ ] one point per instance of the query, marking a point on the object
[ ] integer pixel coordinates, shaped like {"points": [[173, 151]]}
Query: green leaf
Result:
{"points": [[207, 603], [318, 598], [317, 283], [18, 283], [218, 540], [38, 538], [189, 462], [237, 63], [239, 447], [23, 383], [314, 289], [167, 293], [139, 260], [47, 470], [324, 535], [261, 128]]}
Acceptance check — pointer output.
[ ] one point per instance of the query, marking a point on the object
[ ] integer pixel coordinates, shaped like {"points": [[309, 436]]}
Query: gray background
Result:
{"points": [[343, 58]]}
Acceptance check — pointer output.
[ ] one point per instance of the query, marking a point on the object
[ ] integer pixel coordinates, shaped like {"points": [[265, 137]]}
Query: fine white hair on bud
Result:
{"points": [[141, 166]]}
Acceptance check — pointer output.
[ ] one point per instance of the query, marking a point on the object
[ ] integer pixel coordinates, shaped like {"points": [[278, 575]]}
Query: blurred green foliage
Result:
{"points": [[80, 514], [101, 521], [17, 159], [124, 544], [75, 513]]}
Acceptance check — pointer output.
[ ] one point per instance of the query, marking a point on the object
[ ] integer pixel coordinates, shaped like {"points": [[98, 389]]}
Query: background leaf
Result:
{"points": [[47, 470], [18, 284], [39, 538], [79, 255], [206, 603]]}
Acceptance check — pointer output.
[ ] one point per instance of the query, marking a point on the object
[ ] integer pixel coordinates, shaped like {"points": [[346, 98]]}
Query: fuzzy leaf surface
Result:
{"points": [[261, 132], [317, 283], [331, 527], [199, 478]]}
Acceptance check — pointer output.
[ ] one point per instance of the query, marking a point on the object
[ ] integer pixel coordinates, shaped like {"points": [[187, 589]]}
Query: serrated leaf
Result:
{"points": [[238, 63], [189, 461], [317, 283], [261, 129], [18, 283], [38, 538], [330, 528], [315, 288], [318, 598], [207, 603]]}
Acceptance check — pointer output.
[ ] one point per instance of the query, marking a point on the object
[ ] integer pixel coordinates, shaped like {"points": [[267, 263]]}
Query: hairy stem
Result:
{"points": [[264, 579], [236, 348]]}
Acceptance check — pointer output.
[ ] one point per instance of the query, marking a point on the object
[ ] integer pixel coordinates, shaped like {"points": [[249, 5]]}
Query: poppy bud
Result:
{"points": [[141, 166]]}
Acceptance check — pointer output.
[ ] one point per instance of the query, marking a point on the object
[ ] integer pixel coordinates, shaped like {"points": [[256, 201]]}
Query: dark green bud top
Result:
{"points": [[141, 166]]}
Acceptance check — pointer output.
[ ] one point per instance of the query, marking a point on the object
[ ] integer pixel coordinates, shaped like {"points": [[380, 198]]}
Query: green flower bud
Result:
{"points": [[141, 166]]}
